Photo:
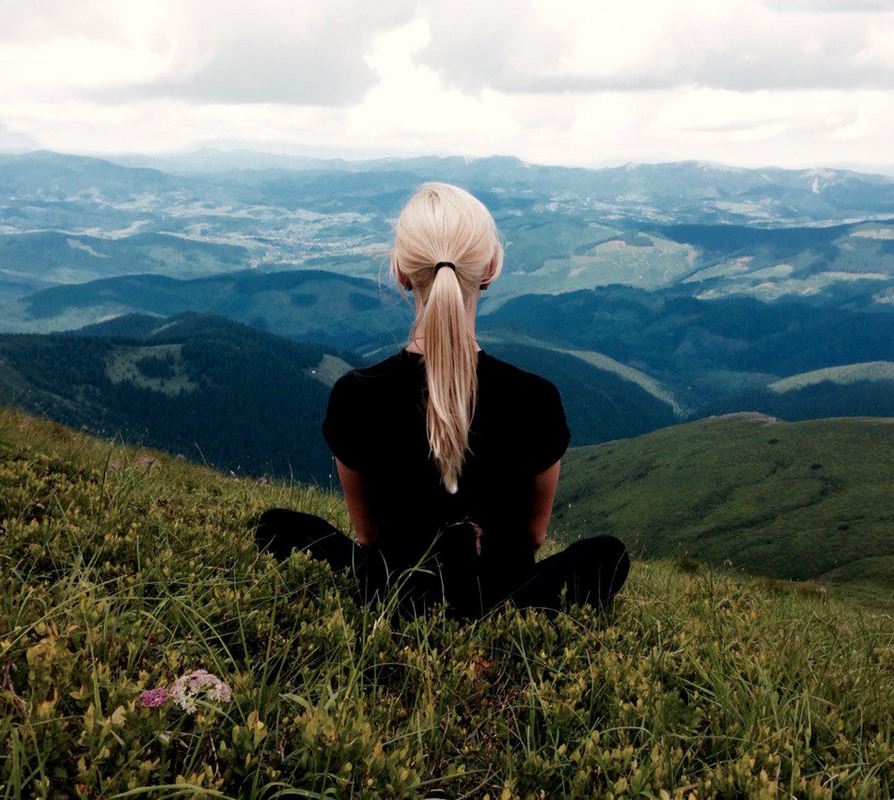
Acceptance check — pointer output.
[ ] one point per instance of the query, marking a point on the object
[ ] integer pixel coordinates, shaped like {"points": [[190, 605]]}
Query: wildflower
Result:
{"points": [[199, 684], [153, 698]]}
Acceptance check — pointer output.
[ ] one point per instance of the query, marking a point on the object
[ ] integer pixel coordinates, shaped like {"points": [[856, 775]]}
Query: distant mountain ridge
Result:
{"points": [[718, 230], [671, 192], [311, 305], [760, 192]]}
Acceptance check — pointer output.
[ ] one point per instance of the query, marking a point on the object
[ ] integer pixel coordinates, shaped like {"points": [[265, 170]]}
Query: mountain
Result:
{"points": [[806, 500], [851, 390], [52, 257], [203, 386], [311, 305], [693, 281], [686, 353], [665, 191], [546, 253], [699, 349], [824, 235], [833, 265], [194, 383]]}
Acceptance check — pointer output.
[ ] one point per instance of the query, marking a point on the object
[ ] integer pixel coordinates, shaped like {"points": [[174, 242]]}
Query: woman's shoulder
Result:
{"points": [[524, 411], [361, 403], [383, 374], [507, 375]]}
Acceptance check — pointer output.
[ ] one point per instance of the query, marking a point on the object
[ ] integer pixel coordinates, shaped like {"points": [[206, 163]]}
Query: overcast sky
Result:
{"points": [[791, 83]]}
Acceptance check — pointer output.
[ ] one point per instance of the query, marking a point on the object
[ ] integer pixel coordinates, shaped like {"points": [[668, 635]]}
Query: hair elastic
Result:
{"points": [[444, 264]]}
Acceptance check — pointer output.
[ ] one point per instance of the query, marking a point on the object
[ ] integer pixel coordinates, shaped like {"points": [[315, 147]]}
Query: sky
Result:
{"points": [[790, 83]]}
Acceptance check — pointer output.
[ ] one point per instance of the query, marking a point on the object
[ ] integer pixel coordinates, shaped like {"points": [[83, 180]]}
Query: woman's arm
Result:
{"points": [[542, 496], [357, 501]]}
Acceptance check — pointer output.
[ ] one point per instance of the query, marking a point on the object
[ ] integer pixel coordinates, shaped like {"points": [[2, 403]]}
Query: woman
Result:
{"points": [[449, 458]]}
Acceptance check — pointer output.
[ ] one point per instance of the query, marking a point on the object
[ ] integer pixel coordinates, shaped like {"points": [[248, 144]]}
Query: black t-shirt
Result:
{"points": [[375, 424]]}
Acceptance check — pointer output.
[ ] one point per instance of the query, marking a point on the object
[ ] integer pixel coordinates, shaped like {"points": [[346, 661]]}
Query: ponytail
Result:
{"points": [[451, 361], [444, 226]]}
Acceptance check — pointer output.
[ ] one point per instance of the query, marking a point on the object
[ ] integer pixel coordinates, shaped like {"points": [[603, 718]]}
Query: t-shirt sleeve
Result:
{"points": [[343, 426], [549, 429]]}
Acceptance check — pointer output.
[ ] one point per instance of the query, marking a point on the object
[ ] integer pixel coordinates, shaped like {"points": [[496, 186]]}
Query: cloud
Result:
{"points": [[14, 141], [218, 51], [643, 45], [833, 6], [790, 82]]}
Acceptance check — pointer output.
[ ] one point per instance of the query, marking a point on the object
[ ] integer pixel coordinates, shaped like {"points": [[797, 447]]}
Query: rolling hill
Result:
{"points": [[699, 357], [177, 383], [807, 500], [700, 350], [208, 388], [600, 404], [852, 390], [53, 257], [310, 305]]}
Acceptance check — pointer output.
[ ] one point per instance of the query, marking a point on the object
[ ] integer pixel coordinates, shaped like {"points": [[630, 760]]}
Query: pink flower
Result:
{"points": [[153, 698]]}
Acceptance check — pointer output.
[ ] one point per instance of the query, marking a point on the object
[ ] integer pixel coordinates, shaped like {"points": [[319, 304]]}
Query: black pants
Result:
{"points": [[589, 571]]}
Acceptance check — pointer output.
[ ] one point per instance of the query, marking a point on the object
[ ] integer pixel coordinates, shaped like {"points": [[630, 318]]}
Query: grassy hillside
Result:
{"points": [[805, 500], [838, 263], [211, 389], [124, 570], [852, 373]]}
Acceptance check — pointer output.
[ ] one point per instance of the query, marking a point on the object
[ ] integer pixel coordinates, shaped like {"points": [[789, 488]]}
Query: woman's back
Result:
{"points": [[376, 424]]}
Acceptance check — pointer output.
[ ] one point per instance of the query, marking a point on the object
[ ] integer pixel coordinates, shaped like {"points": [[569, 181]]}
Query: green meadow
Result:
{"points": [[124, 570], [805, 500]]}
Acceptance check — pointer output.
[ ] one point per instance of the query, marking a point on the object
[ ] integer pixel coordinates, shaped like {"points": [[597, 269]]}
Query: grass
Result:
{"points": [[123, 569], [849, 373], [806, 500], [124, 365], [330, 369]]}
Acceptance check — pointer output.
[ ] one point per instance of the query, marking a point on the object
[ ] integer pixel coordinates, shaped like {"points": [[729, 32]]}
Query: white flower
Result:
{"points": [[199, 685]]}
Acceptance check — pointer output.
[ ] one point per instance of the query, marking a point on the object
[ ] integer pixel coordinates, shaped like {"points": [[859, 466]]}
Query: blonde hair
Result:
{"points": [[443, 223]]}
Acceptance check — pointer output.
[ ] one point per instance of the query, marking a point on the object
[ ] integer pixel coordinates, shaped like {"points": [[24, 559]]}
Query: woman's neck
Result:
{"points": [[417, 341], [417, 345]]}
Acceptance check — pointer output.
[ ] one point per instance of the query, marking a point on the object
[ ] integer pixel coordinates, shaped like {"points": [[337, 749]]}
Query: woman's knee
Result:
{"points": [[599, 563], [604, 548], [280, 530]]}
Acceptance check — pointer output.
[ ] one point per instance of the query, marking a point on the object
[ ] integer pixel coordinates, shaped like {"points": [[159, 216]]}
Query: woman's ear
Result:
{"points": [[489, 273], [404, 281]]}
